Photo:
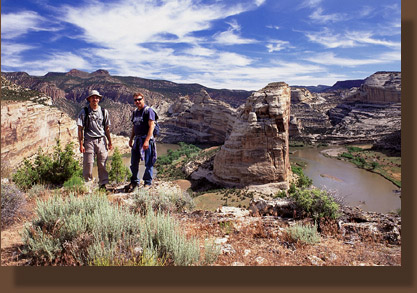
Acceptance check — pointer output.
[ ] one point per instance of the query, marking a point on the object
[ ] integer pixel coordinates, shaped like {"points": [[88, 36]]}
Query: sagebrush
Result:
{"points": [[91, 231]]}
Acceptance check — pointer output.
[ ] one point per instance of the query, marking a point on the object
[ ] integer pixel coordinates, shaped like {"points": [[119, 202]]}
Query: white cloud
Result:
{"points": [[348, 40], [310, 3], [331, 59], [367, 38], [138, 22], [11, 53], [231, 36], [273, 27], [16, 24], [320, 17], [277, 46], [330, 40]]}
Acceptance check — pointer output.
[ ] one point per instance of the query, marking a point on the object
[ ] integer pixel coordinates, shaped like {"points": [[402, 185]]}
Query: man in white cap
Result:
{"points": [[93, 127]]}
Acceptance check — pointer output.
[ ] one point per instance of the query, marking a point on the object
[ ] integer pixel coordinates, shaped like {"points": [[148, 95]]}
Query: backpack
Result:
{"points": [[157, 129], [87, 120]]}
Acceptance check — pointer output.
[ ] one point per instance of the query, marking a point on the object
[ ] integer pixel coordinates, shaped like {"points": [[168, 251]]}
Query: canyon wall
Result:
{"points": [[27, 126], [201, 121]]}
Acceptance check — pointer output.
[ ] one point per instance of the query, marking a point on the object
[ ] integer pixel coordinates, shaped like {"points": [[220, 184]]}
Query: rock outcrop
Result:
{"points": [[202, 121], [368, 114], [28, 126], [381, 87], [257, 150]]}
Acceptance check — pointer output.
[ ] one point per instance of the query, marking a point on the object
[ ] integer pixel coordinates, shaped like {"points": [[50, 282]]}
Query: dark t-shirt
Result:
{"points": [[140, 120]]}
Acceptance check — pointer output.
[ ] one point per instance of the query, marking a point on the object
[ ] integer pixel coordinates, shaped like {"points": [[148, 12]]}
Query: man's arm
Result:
{"points": [[149, 135], [132, 135], [107, 131], [80, 138]]}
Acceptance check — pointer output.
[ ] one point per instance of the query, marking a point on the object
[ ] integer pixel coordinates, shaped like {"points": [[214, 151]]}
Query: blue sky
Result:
{"points": [[220, 44]]}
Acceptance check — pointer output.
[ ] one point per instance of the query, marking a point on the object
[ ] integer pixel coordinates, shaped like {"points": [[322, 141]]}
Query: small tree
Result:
{"points": [[119, 171]]}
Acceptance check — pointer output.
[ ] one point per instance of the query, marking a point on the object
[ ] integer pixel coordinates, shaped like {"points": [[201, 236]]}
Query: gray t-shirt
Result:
{"points": [[95, 128]]}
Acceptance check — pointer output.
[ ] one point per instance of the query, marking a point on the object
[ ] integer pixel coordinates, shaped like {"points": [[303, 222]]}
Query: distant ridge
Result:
{"points": [[346, 84]]}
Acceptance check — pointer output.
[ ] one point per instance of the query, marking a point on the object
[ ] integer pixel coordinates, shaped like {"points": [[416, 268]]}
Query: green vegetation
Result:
{"points": [[75, 184], [303, 180], [169, 166], [296, 143], [162, 200], [315, 202], [306, 234], [119, 172], [36, 190], [389, 166], [48, 169], [91, 231], [19, 95]]}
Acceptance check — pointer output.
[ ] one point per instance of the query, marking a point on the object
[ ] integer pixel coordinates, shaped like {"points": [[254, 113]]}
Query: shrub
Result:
{"points": [[163, 199], [306, 234], [354, 149], [36, 190], [211, 252], [167, 164], [12, 202], [303, 180], [75, 184], [316, 203], [347, 155], [91, 231], [54, 169], [119, 172]]}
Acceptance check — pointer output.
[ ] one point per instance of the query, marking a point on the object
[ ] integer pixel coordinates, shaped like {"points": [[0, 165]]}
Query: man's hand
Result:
{"points": [[131, 143], [145, 145], [82, 149], [110, 145]]}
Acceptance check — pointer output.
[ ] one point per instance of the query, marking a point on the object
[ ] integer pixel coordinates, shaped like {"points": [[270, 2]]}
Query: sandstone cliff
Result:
{"points": [[201, 121], [257, 152], [381, 87], [28, 126], [368, 114]]}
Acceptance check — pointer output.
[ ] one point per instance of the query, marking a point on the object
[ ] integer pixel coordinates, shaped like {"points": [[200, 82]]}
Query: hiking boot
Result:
{"points": [[103, 187], [130, 187]]}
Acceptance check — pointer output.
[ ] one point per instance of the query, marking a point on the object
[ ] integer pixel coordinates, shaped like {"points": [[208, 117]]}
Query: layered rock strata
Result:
{"points": [[204, 121], [257, 151], [381, 87], [28, 126]]}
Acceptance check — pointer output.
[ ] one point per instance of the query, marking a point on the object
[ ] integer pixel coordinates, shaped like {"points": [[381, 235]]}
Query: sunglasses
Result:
{"points": [[140, 99]]}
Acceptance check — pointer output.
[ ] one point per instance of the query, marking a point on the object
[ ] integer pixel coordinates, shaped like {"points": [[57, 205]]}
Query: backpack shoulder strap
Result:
{"points": [[104, 116], [86, 118]]}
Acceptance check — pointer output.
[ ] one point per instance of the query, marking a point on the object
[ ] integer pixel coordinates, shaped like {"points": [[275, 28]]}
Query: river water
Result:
{"points": [[357, 187], [369, 191]]}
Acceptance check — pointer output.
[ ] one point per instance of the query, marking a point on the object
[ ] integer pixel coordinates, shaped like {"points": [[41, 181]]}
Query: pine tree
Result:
{"points": [[118, 172]]}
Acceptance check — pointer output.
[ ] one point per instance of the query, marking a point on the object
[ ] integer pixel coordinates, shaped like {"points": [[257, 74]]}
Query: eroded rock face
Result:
{"points": [[257, 151], [204, 121], [28, 126], [381, 87]]}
